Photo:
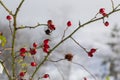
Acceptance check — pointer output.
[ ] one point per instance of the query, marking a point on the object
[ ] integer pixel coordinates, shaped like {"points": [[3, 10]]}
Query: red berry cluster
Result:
{"points": [[91, 52], [33, 50], [51, 27], [102, 11], [46, 45], [23, 51]]}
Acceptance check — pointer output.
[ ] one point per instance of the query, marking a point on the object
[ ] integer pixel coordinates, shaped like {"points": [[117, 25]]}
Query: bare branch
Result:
{"points": [[6, 71], [79, 45], [85, 70], [31, 27], [18, 8], [10, 12]]}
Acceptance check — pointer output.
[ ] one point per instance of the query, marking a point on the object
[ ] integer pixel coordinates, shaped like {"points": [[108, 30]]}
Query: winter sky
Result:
{"points": [[60, 11]]}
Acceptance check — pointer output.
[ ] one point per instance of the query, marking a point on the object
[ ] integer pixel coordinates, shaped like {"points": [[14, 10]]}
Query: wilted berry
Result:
{"points": [[47, 32], [69, 57]]}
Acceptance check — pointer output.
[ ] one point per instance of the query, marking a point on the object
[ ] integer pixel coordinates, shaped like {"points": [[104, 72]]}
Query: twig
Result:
{"points": [[56, 60], [10, 12], [6, 71], [85, 70], [94, 17], [64, 33], [30, 27], [112, 4], [117, 6], [60, 72], [10, 27], [79, 44], [18, 8]]}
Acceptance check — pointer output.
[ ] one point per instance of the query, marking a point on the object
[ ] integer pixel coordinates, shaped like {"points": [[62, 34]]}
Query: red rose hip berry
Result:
{"points": [[33, 64], [22, 74], [22, 54], [35, 45], [69, 23], [46, 76], [9, 17], [106, 23], [102, 10], [23, 50]]}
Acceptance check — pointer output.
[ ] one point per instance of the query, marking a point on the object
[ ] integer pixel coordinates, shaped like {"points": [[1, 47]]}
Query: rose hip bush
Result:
{"points": [[18, 58]]}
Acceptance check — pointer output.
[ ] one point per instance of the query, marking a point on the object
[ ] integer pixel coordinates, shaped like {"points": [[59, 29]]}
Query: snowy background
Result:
{"points": [[60, 11]]}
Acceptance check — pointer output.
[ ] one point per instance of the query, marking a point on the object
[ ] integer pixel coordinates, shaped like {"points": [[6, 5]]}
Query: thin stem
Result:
{"points": [[10, 27], [30, 27], [6, 71], [18, 8], [85, 70], [112, 4], [64, 33], [117, 6], [10, 12], [56, 60], [13, 53], [79, 44]]}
